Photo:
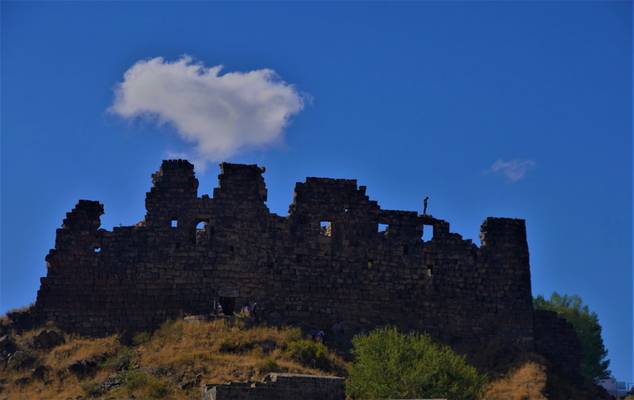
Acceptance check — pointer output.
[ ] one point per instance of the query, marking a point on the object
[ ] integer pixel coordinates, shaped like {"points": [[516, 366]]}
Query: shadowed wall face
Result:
{"points": [[346, 277], [276, 386]]}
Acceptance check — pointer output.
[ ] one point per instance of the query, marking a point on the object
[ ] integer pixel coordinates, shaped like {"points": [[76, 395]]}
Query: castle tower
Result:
{"points": [[174, 190], [505, 250]]}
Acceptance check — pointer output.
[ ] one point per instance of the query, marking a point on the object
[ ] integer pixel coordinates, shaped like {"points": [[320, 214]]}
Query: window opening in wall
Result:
{"points": [[174, 223], [428, 233], [201, 232], [370, 263], [382, 228], [97, 249], [325, 228]]}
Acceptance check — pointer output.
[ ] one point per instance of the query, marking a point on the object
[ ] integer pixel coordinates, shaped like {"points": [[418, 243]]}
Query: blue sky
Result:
{"points": [[492, 109]]}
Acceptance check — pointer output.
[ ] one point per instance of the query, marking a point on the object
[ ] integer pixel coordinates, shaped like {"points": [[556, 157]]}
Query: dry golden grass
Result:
{"points": [[221, 351], [78, 348], [59, 384], [173, 361], [527, 382], [170, 363]]}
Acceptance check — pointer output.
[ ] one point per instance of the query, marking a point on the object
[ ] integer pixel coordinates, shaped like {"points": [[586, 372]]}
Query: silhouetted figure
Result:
{"points": [[425, 205], [319, 336], [246, 310], [254, 311]]}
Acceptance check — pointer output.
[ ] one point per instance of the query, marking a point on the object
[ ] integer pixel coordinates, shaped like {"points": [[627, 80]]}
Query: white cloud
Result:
{"points": [[219, 114], [513, 170]]}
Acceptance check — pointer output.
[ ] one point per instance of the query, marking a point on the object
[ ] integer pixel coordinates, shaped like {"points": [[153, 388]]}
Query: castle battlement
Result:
{"points": [[337, 262]]}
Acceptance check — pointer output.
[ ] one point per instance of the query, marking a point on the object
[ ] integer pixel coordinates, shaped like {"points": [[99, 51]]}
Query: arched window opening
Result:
{"points": [[325, 228], [174, 223], [202, 232]]}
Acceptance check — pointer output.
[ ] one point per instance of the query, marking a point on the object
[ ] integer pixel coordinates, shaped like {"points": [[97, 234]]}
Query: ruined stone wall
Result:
{"points": [[348, 274], [556, 339], [279, 387]]}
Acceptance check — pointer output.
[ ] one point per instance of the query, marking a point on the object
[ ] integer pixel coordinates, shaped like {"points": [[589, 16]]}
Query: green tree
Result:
{"points": [[389, 364], [594, 363]]}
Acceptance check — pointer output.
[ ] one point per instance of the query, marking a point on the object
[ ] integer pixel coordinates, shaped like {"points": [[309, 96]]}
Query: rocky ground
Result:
{"points": [[175, 360], [171, 363]]}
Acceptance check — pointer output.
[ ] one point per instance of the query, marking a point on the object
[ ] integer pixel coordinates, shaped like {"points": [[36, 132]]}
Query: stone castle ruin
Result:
{"points": [[327, 265]]}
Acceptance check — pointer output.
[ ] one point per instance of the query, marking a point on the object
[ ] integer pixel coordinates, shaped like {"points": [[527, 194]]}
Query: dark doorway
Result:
{"points": [[228, 304]]}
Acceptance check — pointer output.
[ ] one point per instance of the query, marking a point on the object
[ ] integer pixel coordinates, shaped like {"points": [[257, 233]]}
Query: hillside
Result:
{"points": [[170, 363], [173, 361]]}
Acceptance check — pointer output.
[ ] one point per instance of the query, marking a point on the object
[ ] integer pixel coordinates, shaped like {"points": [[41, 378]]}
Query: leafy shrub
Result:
{"points": [[22, 359], [309, 353], [294, 334], [389, 364], [141, 381], [121, 360], [134, 379], [267, 365]]}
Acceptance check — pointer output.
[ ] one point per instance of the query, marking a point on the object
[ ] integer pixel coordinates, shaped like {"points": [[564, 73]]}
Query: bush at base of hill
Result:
{"points": [[390, 364]]}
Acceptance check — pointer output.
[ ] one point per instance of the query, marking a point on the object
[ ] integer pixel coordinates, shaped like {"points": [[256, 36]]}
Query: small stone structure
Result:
{"points": [[328, 264], [278, 386]]}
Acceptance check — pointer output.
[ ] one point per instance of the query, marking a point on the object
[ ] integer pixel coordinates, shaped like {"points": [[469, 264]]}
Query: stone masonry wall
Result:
{"points": [[557, 341], [279, 387], [345, 274]]}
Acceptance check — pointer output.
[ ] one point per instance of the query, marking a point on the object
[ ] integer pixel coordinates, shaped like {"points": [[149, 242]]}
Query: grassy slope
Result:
{"points": [[170, 363], [528, 381]]}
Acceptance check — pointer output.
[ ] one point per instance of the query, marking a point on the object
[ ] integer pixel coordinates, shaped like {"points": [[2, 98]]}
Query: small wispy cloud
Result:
{"points": [[219, 114], [512, 170]]}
